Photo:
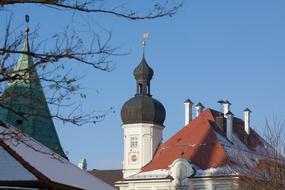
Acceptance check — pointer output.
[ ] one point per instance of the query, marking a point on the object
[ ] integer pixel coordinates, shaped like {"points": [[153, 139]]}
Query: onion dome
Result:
{"points": [[143, 71], [143, 108]]}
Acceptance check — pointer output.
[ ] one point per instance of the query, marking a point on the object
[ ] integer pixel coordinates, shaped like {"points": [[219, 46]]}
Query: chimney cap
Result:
{"points": [[229, 113], [199, 105], [188, 101], [227, 102], [221, 101], [247, 110]]}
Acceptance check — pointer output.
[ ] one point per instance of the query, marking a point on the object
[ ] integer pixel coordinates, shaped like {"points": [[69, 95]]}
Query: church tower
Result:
{"points": [[24, 104], [143, 118]]}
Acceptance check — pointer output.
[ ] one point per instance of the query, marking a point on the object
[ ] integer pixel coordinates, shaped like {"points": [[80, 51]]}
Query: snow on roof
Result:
{"points": [[204, 143], [161, 173], [197, 141], [238, 153], [11, 169], [241, 159], [220, 171], [46, 162]]}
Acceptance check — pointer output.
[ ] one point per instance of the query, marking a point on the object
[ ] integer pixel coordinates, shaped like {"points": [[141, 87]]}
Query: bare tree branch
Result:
{"points": [[269, 171], [54, 65], [90, 6]]}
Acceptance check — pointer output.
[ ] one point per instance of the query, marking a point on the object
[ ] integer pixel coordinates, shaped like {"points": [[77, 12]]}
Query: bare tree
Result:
{"points": [[269, 171], [55, 74]]}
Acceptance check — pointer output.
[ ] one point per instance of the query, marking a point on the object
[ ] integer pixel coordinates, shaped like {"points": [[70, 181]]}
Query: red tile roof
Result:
{"points": [[198, 142]]}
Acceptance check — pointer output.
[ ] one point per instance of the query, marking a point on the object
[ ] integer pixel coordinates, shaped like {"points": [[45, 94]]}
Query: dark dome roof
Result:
{"points": [[143, 71], [143, 109]]}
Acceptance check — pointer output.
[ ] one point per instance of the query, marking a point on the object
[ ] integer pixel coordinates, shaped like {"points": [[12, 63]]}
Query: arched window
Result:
{"points": [[140, 88]]}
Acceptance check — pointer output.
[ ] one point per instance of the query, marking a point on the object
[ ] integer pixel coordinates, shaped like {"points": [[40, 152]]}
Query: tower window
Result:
{"points": [[140, 88], [134, 142], [19, 121]]}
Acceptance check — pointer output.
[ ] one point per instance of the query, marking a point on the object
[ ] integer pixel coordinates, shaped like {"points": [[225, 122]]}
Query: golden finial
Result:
{"points": [[145, 36]]}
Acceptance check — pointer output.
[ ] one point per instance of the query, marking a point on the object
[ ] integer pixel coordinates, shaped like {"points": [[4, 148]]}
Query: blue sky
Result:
{"points": [[210, 50]]}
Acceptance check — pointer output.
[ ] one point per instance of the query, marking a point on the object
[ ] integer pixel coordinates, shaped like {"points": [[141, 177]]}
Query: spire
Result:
{"points": [[143, 73], [143, 108], [24, 67], [28, 108], [27, 47]]}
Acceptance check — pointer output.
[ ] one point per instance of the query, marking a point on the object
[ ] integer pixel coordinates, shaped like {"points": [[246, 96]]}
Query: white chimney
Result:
{"points": [[199, 109], [247, 120], [230, 116], [188, 111], [226, 107], [221, 102]]}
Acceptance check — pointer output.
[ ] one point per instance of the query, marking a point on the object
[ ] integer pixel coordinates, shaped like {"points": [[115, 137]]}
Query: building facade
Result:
{"points": [[213, 151]]}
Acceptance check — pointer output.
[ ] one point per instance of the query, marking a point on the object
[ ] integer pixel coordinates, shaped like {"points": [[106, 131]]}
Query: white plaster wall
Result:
{"points": [[149, 137], [164, 184], [157, 131], [219, 183]]}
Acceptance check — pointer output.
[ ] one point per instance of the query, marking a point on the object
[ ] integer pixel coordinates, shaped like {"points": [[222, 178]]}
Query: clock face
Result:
{"points": [[134, 157]]}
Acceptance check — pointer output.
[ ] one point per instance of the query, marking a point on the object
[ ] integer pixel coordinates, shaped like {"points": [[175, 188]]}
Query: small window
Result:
{"points": [[134, 142], [140, 88], [200, 187], [221, 187], [19, 121]]}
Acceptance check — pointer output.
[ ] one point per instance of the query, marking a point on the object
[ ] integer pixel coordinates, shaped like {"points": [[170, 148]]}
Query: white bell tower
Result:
{"points": [[143, 118]]}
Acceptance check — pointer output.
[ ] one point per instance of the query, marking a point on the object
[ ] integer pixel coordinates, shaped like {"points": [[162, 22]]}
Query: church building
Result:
{"points": [[213, 151]]}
